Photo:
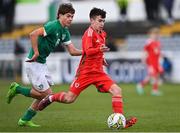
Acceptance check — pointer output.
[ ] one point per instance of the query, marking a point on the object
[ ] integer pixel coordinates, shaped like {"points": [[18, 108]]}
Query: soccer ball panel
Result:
{"points": [[116, 121]]}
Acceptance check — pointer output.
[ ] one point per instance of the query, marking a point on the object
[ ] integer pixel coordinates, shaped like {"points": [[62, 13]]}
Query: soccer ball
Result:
{"points": [[116, 121]]}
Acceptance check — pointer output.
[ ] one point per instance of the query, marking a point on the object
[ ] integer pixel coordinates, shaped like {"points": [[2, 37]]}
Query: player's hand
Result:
{"points": [[33, 58], [104, 48]]}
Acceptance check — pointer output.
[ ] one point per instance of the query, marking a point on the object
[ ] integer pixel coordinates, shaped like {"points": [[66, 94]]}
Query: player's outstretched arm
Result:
{"points": [[144, 57], [73, 50]]}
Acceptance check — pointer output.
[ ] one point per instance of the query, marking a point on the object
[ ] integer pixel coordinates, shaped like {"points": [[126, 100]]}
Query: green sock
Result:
{"points": [[23, 90], [28, 115]]}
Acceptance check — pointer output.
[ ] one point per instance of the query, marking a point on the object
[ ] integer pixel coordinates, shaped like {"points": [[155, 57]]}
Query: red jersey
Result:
{"points": [[153, 49], [92, 57]]}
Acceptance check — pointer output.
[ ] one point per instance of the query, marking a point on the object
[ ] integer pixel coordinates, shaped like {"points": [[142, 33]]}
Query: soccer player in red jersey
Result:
{"points": [[152, 51], [90, 70]]}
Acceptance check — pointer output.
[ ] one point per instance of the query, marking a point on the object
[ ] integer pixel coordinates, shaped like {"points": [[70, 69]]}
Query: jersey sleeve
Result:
{"points": [[147, 45], [49, 28], [67, 39], [88, 44]]}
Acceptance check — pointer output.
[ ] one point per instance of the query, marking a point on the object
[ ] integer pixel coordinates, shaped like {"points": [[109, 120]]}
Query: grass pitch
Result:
{"points": [[89, 113]]}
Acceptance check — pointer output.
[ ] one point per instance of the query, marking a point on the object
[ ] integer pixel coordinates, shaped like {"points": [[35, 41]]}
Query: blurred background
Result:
{"points": [[127, 24]]}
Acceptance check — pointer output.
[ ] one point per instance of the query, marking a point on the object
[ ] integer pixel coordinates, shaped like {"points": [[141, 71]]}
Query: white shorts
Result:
{"points": [[39, 76]]}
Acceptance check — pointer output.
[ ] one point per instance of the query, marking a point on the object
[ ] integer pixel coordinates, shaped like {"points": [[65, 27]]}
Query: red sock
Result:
{"points": [[58, 97], [144, 82], [155, 86], [117, 104]]}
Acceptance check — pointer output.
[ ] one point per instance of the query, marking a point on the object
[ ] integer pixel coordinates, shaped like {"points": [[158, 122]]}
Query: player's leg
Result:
{"points": [[77, 86], [15, 89], [34, 71], [155, 87], [26, 119], [155, 81], [41, 86], [61, 97], [105, 84], [117, 104], [140, 86], [117, 101]]}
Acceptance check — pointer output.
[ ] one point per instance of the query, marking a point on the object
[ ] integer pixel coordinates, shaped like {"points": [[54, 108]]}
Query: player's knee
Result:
{"points": [[45, 93], [115, 90], [69, 98]]}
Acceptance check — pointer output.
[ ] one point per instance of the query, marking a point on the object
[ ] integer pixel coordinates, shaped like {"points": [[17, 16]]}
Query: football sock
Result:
{"points": [[117, 104], [155, 86], [29, 114], [58, 97], [144, 82], [23, 90]]}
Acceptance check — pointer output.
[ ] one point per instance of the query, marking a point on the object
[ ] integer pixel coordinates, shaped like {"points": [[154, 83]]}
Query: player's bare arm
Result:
{"points": [[144, 57], [73, 51], [34, 36]]}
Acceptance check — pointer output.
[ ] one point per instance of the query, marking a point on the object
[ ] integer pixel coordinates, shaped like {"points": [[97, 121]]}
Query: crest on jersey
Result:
{"points": [[40, 87], [97, 41], [76, 85], [63, 36], [57, 42]]}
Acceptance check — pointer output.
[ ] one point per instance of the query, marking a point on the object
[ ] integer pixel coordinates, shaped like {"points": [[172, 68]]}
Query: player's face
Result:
{"points": [[66, 19], [155, 36], [98, 23]]}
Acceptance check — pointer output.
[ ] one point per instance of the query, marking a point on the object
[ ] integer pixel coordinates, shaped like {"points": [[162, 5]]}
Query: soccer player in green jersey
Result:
{"points": [[44, 40]]}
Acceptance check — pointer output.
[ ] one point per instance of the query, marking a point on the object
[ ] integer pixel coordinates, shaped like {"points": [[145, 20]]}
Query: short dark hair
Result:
{"points": [[65, 8], [96, 12]]}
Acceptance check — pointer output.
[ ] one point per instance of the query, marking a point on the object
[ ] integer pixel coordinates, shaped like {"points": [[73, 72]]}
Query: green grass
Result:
{"points": [[89, 113]]}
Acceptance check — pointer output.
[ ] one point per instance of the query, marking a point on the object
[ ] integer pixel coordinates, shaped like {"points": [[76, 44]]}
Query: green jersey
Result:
{"points": [[54, 35]]}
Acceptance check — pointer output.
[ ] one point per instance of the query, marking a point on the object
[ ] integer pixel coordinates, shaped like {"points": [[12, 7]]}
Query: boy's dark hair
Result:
{"points": [[65, 8], [97, 12]]}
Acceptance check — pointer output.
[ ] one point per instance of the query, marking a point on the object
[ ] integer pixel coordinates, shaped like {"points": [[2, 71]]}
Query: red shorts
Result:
{"points": [[154, 71], [102, 82]]}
